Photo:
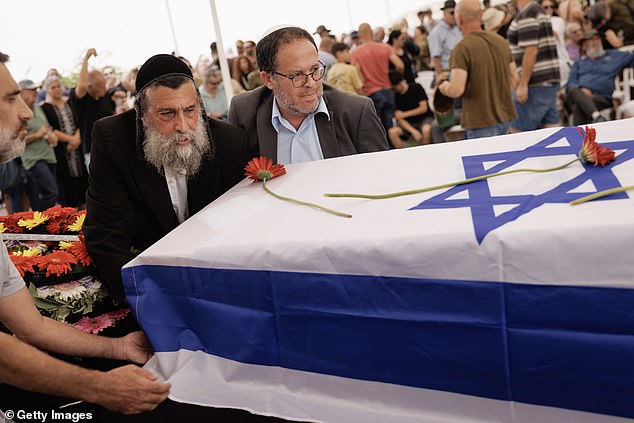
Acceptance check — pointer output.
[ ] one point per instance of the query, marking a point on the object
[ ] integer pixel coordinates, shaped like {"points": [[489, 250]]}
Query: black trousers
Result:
{"points": [[583, 106]]}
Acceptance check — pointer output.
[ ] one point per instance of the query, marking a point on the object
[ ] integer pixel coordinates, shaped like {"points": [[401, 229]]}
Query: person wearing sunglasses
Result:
{"points": [[294, 117], [442, 39]]}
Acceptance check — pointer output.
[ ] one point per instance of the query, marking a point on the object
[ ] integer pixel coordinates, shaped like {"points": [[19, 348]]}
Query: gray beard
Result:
{"points": [[286, 102], [11, 146], [162, 151], [595, 53]]}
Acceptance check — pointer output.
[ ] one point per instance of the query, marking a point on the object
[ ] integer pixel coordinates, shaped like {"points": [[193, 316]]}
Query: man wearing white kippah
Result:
{"points": [[294, 118]]}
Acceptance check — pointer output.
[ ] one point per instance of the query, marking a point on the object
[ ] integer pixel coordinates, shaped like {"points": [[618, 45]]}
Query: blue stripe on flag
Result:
{"points": [[562, 346]]}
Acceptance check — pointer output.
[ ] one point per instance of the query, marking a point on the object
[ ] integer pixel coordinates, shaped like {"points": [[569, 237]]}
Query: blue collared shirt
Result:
{"points": [[598, 75], [301, 145], [442, 39]]}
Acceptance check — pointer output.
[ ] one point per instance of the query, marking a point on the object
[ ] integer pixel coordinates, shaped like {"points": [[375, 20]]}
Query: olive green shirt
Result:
{"points": [[488, 98], [39, 149]]}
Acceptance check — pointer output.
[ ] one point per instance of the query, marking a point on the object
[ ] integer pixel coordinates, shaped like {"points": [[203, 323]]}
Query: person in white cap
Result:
{"points": [[294, 118]]}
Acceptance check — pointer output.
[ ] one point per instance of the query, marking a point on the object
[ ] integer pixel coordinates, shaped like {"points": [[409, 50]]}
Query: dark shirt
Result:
{"points": [[410, 100], [88, 111], [408, 70]]}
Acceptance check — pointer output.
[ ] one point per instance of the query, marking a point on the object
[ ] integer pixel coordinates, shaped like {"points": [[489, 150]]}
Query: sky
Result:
{"points": [[41, 34]]}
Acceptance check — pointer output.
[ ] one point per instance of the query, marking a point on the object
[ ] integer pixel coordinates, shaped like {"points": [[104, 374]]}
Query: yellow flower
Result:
{"points": [[79, 222], [35, 252], [2, 228], [64, 245], [38, 219]]}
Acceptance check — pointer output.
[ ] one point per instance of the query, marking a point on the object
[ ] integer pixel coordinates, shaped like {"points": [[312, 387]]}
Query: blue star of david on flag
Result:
{"points": [[482, 203]]}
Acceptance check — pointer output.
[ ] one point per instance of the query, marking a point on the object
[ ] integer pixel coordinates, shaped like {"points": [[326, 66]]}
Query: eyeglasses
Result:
{"points": [[549, 7], [300, 79]]}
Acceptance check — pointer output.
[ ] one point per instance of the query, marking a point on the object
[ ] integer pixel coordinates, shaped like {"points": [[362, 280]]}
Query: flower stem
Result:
{"points": [[303, 203], [450, 184], [600, 194]]}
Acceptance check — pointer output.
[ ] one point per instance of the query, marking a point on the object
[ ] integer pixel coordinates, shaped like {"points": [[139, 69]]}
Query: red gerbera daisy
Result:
{"points": [[58, 262], [263, 169], [23, 263], [593, 153], [78, 249], [56, 226]]}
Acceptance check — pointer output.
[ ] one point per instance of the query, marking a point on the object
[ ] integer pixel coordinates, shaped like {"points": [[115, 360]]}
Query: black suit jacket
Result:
{"points": [[353, 127], [128, 203]]}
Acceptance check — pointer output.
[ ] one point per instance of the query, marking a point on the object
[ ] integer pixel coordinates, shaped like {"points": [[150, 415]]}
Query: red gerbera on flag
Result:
{"points": [[263, 169], [592, 152], [58, 262]]}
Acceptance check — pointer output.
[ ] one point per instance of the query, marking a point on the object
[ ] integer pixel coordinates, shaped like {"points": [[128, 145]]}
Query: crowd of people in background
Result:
{"points": [[559, 63]]}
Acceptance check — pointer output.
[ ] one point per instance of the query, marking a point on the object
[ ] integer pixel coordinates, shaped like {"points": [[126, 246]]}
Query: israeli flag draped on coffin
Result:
{"points": [[491, 301]]}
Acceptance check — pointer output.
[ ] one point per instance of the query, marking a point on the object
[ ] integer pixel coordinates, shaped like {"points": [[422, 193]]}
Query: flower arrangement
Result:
{"points": [[56, 220], [591, 153], [48, 250], [263, 169]]}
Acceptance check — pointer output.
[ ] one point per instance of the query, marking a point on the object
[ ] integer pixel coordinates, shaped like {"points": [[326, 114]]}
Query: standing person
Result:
{"points": [[397, 40], [90, 102], [342, 75], [372, 59], [72, 176], [559, 30], [483, 73], [534, 49], [39, 157], [442, 39], [622, 19], [294, 118], [322, 31], [325, 52], [127, 389]]}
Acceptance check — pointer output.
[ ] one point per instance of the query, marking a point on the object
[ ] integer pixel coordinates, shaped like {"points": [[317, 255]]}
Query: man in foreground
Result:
{"points": [[154, 166], [127, 389]]}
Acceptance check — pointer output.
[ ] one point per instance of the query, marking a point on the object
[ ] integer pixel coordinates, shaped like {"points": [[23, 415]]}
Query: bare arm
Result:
{"points": [[43, 131], [422, 108], [397, 62], [528, 62], [455, 87], [514, 76], [73, 140], [19, 314], [613, 39], [127, 389], [82, 85]]}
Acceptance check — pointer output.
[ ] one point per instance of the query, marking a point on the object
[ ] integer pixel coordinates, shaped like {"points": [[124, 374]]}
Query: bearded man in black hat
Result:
{"points": [[154, 166]]}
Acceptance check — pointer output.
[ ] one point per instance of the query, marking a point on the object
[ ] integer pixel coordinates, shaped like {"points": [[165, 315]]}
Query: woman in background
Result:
{"points": [[72, 176]]}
